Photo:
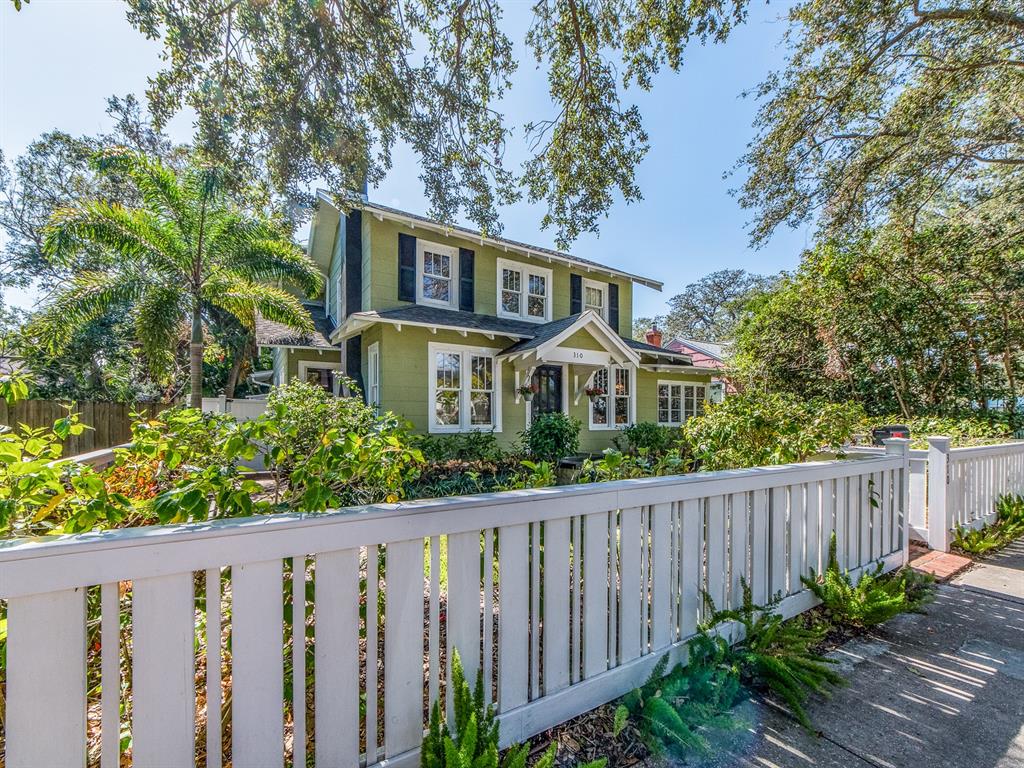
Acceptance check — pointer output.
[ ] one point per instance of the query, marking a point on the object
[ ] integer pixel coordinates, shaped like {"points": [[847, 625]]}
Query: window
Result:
{"points": [[594, 297], [437, 267], [524, 292], [373, 375], [613, 409], [340, 301], [321, 374], [328, 307], [465, 389], [678, 402]]}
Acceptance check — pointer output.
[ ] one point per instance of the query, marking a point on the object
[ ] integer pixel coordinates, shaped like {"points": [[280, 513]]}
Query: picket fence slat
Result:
{"points": [[403, 635], [337, 659], [163, 671], [257, 665], [595, 593], [556, 606], [629, 575], [46, 680]]}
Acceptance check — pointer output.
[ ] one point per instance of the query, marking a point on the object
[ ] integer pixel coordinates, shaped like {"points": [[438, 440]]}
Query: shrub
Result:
{"points": [[539, 474], [963, 430], [775, 655], [614, 465], [756, 429], [1009, 525], [675, 712], [477, 446], [457, 478], [872, 600], [646, 436], [552, 436], [474, 742]]}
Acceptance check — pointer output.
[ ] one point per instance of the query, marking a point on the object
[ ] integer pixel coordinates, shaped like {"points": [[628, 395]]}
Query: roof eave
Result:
{"points": [[498, 242]]}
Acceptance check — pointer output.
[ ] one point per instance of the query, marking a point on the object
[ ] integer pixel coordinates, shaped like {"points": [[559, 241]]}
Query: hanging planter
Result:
{"points": [[527, 391], [594, 392]]}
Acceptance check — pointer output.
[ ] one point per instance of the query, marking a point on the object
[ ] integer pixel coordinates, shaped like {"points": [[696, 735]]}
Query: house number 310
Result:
{"points": [[577, 355]]}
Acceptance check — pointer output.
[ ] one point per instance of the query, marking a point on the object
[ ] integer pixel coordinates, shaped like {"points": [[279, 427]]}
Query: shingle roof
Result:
{"points": [[273, 334], [651, 349], [541, 334]]}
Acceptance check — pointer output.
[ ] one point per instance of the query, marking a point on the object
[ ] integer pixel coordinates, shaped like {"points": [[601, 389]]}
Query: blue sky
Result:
{"points": [[60, 59]]}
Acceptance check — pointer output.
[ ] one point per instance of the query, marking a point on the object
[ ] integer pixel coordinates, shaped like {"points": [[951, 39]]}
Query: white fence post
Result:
{"points": [[939, 522], [900, 446]]}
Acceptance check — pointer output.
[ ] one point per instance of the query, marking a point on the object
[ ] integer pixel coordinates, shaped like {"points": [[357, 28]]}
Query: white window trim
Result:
{"points": [[611, 425], [373, 374], [682, 404], [453, 253], [603, 288], [328, 307], [525, 270], [464, 393], [305, 365]]}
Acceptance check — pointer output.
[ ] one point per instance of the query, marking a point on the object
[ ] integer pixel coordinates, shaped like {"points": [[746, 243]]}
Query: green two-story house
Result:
{"points": [[445, 327]]}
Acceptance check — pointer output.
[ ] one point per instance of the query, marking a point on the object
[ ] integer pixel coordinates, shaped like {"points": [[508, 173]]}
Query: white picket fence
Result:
{"points": [[564, 598], [974, 477], [242, 408]]}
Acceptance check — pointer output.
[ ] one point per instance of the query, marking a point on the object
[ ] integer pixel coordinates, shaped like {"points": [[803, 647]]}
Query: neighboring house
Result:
{"points": [[705, 354], [443, 325]]}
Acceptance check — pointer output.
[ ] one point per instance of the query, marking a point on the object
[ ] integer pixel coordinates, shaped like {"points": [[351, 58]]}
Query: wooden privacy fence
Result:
{"points": [[974, 479], [564, 598], [111, 422]]}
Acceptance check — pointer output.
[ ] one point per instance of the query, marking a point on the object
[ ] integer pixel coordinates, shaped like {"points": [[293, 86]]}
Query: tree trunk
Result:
{"points": [[241, 356], [195, 354]]}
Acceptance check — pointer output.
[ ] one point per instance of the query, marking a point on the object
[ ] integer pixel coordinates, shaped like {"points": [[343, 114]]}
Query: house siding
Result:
{"points": [[380, 289], [332, 356]]}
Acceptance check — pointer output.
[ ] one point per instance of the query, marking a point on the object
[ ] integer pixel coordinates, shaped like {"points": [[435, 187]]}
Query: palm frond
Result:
{"points": [[135, 235], [270, 259], [158, 323], [245, 299], [90, 295], [159, 186]]}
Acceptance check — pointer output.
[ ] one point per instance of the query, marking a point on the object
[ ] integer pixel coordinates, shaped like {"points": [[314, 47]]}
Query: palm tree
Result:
{"points": [[186, 248]]}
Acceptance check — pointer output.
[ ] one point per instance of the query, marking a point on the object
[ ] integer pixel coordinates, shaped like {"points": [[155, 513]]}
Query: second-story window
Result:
{"points": [[595, 297], [524, 291], [437, 267]]}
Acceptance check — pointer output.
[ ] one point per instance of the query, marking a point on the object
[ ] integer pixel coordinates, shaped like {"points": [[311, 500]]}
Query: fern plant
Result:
{"points": [[775, 655], [676, 712], [872, 600], [474, 742]]}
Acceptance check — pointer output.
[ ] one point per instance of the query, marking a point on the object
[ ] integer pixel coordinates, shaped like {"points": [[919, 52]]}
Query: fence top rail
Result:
{"points": [[975, 451], [30, 566], [874, 450]]}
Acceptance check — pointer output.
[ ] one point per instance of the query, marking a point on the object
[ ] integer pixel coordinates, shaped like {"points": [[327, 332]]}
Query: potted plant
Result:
{"points": [[527, 391], [594, 392]]}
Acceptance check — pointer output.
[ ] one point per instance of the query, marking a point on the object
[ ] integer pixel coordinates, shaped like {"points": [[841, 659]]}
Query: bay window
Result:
{"points": [[465, 389], [524, 291]]}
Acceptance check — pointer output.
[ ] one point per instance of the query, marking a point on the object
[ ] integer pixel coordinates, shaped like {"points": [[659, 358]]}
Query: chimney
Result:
{"points": [[653, 336]]}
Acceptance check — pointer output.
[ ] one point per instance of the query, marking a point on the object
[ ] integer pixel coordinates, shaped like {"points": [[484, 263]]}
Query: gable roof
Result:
{"points": [[416, 220]]}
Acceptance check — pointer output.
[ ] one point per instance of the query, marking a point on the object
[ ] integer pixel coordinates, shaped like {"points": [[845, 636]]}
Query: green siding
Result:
{"points": [[647, 390], [380, 290]]}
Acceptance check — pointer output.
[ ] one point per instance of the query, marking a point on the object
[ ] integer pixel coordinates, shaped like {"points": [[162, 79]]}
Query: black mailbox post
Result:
{"points": [[889, 430]]}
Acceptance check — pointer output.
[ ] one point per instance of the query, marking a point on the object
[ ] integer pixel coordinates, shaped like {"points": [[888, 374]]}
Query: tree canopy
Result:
{"points": [[308, 91], [709, 308], [886, 108]]}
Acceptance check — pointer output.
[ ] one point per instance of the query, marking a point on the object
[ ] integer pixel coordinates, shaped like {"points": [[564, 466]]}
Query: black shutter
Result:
{"points": [[466, 301], [354, 362], [406, 267], [354, 262], [575, 294], [613, 307]]}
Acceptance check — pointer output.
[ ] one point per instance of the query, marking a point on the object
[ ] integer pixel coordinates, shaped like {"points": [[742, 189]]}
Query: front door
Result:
{"points": [[548, 381]]}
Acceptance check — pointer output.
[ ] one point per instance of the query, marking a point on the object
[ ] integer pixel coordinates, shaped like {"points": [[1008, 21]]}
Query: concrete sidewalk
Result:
{"points": [[941, 689]]}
